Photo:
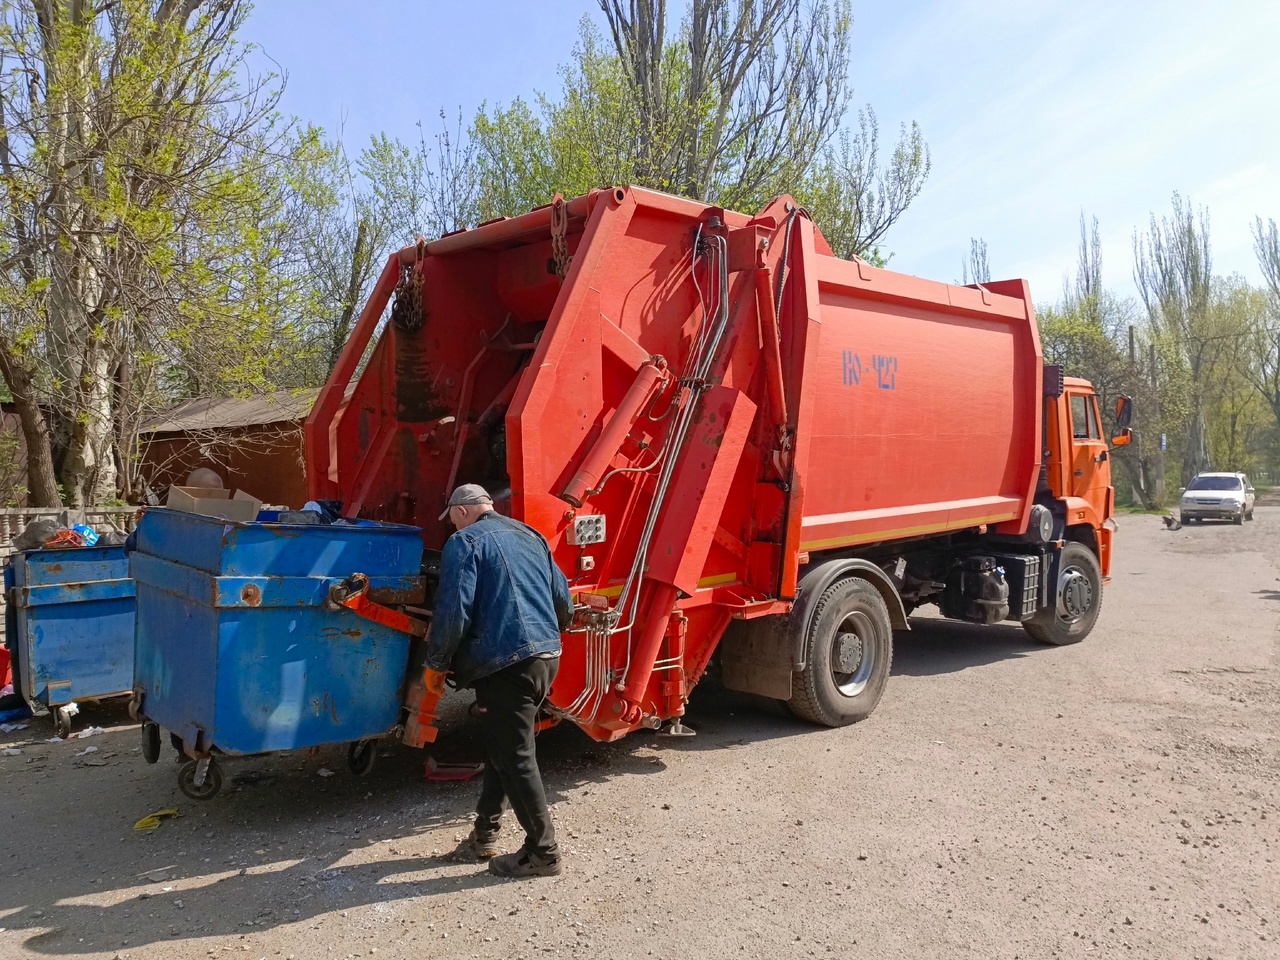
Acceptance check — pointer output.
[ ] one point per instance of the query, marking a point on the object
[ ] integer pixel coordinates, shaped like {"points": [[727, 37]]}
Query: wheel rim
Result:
{"points": [[211, 785], [1075, 595], [854, 649], [360, 757]]}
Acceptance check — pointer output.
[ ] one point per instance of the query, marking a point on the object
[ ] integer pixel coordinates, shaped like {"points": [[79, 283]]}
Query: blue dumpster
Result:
{"points": [[238, 649], [72, 625]]}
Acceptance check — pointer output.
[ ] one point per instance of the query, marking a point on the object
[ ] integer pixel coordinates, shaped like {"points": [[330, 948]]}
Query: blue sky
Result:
{"points": [[1033, 110]]}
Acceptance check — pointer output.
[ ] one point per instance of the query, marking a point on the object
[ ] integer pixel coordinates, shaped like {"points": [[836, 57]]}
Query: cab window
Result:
{"points": [[1084, 421]]}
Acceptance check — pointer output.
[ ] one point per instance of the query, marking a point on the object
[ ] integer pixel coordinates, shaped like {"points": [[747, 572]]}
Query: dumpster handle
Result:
{"points": [[353, 594]]}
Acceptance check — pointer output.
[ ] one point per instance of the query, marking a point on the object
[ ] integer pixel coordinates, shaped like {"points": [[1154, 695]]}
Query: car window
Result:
{"points": [[1215, 483], [1084, 422]]}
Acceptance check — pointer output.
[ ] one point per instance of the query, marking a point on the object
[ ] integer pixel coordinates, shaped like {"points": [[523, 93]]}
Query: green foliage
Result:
{"points": [[765, 124], [147, 233]]}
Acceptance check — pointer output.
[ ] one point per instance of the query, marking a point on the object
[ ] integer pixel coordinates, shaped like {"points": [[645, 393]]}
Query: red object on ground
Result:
{"points": [[453, 771], [713, 420]]}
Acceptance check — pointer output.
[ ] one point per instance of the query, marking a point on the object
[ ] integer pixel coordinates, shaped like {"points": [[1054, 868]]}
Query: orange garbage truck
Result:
{"points": [[742, 449]]}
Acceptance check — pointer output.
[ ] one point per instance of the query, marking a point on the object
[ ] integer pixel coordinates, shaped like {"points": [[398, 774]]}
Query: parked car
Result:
{"points": [[1218, 496]]}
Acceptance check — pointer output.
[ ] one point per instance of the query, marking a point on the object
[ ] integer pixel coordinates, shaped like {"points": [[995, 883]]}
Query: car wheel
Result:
{"points": [[1238, 519]]}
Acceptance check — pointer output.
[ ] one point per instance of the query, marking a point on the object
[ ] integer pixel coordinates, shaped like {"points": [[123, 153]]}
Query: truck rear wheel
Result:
{"points": [[848, 653], [1078, 601]]}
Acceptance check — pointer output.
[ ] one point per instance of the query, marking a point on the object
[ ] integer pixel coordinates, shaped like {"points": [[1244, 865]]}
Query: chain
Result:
{"points": [[559, 244], [406, 311]]}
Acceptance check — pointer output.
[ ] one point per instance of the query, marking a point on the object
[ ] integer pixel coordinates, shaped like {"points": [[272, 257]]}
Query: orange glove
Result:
{"points": [[434, 681]]}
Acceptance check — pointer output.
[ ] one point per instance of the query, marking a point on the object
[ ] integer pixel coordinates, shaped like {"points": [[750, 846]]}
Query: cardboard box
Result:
{"points": [[214, 503]]}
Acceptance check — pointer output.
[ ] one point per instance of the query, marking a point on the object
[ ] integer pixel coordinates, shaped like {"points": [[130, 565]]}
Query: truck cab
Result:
{"points": [[1079, 464]]}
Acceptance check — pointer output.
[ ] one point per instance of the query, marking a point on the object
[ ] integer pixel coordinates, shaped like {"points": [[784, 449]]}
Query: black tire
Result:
{"points": [[850, 620], [207, 790], [1249, 515], [1184, 519], [1048, 626], [150, 741], [1238, 519], [61, 724], [361, 756]]}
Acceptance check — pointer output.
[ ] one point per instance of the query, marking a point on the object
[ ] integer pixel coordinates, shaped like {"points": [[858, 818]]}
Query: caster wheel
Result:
{"points": [[209, 785], [61, 723], [150, 741], [361, 756]]}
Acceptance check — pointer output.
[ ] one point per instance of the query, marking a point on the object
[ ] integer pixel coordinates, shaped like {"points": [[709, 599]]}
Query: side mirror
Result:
{"points": [[1123, 438], [1124, 414]]}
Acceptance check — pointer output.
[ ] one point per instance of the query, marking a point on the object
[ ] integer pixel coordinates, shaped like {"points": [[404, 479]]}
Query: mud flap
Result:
{"points": [[755, 657]]}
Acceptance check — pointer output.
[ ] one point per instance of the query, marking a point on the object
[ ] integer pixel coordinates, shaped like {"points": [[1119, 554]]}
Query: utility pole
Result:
{"points": [[1142, 482], [1155, 410]]}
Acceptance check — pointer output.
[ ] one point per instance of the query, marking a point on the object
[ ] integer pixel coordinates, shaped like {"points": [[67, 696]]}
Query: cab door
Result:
{"points": [[1090, 462]]}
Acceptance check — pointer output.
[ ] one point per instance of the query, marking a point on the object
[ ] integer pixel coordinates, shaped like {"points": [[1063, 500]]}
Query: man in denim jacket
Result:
{"points": [[500, 607]]}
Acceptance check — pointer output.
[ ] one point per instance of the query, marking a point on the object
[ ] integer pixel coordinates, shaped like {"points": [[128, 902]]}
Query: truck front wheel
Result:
{"points": [[848, 653], [1079, 598]]}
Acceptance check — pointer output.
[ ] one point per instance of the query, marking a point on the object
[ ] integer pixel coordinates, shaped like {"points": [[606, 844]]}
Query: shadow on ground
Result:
{"points": [[935, 647], [276, 847]]}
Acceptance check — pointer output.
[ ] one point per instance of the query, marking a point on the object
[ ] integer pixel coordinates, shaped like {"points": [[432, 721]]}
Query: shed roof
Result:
{"points": [[220, 413]]}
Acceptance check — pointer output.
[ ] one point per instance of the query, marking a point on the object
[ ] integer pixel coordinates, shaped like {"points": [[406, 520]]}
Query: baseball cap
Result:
{"points": [[468, 493]]}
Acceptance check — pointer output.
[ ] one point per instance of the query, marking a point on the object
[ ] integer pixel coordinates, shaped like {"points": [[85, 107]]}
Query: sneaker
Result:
{"points": [[482, 848], [523, 864]]}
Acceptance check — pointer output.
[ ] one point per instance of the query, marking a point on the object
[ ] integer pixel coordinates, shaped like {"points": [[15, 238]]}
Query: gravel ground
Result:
{"points": [[1116, 798]]}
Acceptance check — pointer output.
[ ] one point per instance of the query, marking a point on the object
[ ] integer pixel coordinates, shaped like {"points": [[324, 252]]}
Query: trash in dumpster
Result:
{"points": [[214, 503], [36, 533]]}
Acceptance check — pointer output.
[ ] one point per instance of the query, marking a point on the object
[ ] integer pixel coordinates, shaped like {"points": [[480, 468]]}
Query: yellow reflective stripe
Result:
{"points": [[902, 532]]}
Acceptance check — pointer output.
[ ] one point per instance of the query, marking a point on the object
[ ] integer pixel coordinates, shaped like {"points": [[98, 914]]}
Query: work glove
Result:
{"points": [[433, 680]]}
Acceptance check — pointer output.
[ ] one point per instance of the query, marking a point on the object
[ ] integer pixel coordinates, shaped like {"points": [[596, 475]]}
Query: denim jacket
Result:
{"points": [[501, 599]]}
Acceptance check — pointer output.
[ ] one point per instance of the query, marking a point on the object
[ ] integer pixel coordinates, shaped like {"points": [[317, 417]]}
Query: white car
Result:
{"points": [[1218, 496]]}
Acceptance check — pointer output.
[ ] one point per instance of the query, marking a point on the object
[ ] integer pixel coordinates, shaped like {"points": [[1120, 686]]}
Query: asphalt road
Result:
{"points": [[1112, 799]]}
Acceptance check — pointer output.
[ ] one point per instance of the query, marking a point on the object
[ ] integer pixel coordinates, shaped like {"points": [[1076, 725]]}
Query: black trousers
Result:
{"points": [[510, 699]]}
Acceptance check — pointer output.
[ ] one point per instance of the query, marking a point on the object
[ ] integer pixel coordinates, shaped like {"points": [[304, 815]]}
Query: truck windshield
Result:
{"points": [[1215, 483]]}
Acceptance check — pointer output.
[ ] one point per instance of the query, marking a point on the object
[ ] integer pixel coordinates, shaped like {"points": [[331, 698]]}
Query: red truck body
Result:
{"points": [[725, 433]]}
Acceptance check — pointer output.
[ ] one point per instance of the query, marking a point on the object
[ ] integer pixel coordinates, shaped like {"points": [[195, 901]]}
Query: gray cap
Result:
{"points": [[468, 493]]}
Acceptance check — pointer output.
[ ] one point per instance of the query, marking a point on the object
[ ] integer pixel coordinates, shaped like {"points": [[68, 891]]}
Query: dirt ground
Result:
{"points": [[1116, 798]]}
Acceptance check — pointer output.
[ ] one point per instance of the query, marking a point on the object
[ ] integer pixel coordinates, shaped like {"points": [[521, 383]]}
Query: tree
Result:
{"points": [[1173, 272], [141, 231], [977, 269], [745, 103], [1086, 334]]}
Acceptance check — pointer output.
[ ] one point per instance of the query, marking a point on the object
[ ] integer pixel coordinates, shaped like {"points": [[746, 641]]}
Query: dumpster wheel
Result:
{"points": [[209, 786], [62, 723], [150, 741], [361, 756]]}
